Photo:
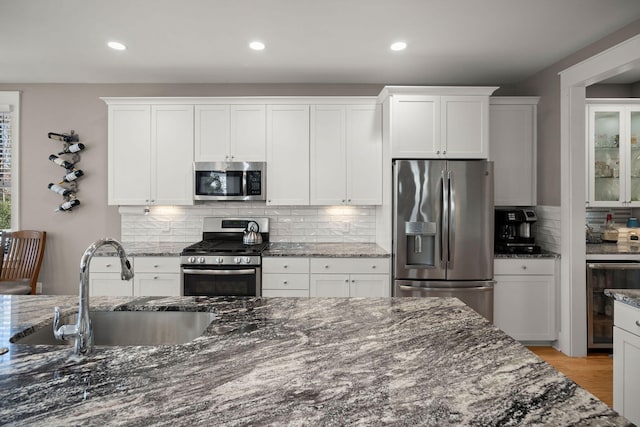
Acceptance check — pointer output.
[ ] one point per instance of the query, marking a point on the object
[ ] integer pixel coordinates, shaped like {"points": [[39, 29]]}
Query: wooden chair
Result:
{"points": [[23, 253]]}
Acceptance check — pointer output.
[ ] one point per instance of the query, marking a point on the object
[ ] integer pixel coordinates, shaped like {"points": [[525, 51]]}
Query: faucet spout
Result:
{"points": [[82, 331]]}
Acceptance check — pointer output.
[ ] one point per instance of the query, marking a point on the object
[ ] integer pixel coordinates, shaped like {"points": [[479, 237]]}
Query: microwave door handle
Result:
{"points": [[451, 247], [219, 272]]}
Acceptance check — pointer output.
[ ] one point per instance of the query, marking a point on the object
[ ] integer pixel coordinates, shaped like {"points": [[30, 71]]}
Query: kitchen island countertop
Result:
{"points": [[627, 296], [291, 361]]}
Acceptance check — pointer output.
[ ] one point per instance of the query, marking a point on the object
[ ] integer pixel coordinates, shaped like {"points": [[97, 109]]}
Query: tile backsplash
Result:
{"points": [[287, 223]]}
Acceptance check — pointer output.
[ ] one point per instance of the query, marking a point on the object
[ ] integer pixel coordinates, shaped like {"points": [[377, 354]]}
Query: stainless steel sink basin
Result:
{"points": [[131, 328]]}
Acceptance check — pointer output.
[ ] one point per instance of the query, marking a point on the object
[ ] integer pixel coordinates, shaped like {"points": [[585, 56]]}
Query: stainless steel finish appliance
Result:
{"points": [[600, 276], [443, 230], [221, 264], [230, 180], [514, 231]]}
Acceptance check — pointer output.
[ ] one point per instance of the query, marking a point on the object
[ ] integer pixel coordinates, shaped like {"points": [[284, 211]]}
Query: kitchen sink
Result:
{"points": [[131, 328]]}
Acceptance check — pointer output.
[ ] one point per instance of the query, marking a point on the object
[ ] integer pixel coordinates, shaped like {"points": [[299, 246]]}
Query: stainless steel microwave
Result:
{"points": [[230, 180]]}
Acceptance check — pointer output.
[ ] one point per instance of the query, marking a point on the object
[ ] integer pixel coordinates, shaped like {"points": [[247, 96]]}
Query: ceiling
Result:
{"points": [[457, 42]]}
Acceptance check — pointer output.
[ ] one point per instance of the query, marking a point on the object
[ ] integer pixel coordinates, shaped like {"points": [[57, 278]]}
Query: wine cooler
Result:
{"points": [[603, 275]]}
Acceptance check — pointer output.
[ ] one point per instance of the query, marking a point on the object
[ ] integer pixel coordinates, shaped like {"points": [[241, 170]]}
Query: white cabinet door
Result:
{"points": [[369, 285], [287, 155], [109, 284], [212, 133], [156, 284], [512, 148], [248, 133], [364, 155], [172, 154], [329, 285], [626, 373], [230, 133], [129, 154], [415, 126], [465, 127], [328, 168]]}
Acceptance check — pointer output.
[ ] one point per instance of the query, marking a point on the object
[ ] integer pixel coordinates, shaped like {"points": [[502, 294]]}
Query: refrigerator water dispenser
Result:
{"points": [[421, 241]]}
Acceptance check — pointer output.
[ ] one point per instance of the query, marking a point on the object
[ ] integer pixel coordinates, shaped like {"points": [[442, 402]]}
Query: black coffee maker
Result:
{"points": [[514, 233]]}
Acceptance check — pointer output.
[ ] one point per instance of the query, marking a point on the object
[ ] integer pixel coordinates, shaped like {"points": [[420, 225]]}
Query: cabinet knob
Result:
{"points": [[285, 282], [353, 281], [155, 277], [326, 266], [638, 323], [348, 200], [108, 265], [373, 266], [524, 267], [285, 266], [444, 151], [155, 265], [346, 280]]}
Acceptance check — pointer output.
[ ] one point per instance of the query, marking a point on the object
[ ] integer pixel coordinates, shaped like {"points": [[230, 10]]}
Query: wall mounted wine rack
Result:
{"points": [[67, 158]]}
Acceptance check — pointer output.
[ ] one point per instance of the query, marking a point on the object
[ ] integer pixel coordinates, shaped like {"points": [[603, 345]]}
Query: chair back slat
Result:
{"points": [[23, 256]]}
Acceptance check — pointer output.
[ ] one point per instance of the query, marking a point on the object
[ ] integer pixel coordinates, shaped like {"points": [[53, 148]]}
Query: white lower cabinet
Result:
{"points": [[350, 277], [524, 304], [285, 277], [153, 276], [626, 361]]}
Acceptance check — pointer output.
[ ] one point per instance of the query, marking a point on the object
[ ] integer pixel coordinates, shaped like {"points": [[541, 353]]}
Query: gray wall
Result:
{"points": [[546, 85], [59, 108]]}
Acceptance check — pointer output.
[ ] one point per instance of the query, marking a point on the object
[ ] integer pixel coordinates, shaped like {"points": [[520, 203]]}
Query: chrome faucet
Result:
{"points": [[82, 331]]}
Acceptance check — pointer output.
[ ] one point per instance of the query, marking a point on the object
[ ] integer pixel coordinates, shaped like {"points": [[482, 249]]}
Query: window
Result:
{"points": [[9, 116]]}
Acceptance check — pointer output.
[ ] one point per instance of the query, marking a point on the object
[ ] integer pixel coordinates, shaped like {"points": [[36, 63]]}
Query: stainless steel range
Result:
{"points": [[221, 264]]}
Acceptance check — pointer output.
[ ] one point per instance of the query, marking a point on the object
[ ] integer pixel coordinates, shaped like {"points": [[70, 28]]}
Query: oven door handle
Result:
{"points": [[219, 272]]}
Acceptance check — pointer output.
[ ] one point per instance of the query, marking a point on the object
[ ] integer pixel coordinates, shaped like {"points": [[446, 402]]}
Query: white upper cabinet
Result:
{"points": [[150, 151], [512, 129], [613, 165], [346, 155], [230, 133], [288, 154], [438, 122]]}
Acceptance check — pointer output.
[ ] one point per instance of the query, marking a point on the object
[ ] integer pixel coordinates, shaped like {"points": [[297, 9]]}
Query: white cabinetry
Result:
{"points": [[153, 276], [613, 168], [350, 277], [157, 276], [438, 122], [346, 155], [626, 361], [512, 147], [150, 151], [525, 298], [285, 277], [230, 133], [287, 155]]}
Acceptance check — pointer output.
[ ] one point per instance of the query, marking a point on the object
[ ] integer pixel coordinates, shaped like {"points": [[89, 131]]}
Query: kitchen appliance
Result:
{"points": [[514, 231], [443, 230], [230, 180], [221, 264], [251, 234], [603, 275]]}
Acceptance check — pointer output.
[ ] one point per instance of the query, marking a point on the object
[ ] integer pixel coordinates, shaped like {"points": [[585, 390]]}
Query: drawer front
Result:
{"points": [[627, 317], [106, 264], [157, 264], [285, 292], [523, 266], [350, 265], [285, 281], [285, 265]]}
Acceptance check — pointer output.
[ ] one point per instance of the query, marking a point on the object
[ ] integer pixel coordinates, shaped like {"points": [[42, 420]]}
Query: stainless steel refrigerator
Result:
{"points": [[443, 230]]}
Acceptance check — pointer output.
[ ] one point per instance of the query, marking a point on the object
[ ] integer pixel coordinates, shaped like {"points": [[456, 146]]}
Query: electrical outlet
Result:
{"points": [[39, 288]]}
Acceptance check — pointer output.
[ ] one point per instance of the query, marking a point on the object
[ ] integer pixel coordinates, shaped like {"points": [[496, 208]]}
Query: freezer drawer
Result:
{"points": [[477, 295]]}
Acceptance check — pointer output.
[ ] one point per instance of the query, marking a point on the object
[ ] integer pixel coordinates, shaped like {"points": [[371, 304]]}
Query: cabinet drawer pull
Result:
{"points": [[524, 267], [285, 266], [373, 266], [285, 282], [326, 266], [638, 323], [155, 266], [346, 280], [155, 277]]}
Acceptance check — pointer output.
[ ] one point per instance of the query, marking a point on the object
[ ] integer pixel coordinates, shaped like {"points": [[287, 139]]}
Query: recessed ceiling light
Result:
{"points": [[256, 45], [116, 46], [399, 46]]}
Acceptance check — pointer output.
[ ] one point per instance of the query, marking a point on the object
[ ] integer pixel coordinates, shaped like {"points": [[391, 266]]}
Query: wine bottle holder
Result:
{"points": [[67, 158]]}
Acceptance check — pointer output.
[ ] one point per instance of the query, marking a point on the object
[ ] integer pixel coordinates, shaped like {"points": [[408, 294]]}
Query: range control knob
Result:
{"points": [[219, 260], [247, 260], [191, 260], [201, 260], [237, 260]]}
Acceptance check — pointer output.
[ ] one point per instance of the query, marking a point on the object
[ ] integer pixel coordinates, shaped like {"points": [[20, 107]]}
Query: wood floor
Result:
{"points": [[594, 373]]}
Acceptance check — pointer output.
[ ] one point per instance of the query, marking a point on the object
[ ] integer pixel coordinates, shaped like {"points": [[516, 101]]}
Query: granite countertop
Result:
{"points": [[334, 250], [275, 249], [627, 296], [292, 361], [612, 249], [543, 254]]}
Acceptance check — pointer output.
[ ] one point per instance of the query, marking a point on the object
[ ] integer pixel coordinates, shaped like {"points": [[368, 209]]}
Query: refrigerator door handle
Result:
{"points": [[452, 220], [444, 231]]}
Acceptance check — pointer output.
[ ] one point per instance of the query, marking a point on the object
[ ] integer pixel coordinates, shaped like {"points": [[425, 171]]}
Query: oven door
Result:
{"points": [[215, 281]]}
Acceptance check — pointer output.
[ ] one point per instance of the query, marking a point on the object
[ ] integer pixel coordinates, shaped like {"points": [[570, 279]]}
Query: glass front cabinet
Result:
{"points": [[613, 165]]}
